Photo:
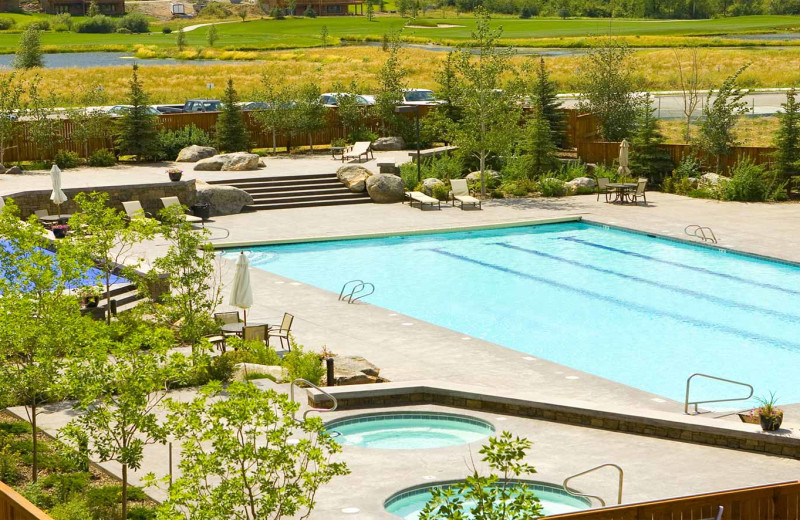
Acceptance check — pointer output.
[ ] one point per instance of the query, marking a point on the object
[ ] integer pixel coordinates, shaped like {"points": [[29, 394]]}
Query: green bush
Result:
{"points": [[104, 502], [135, 23], [166, 30], [309, 13], [173, 141], [34, 493], [362, 134], [15, 428], [9, 466], [124, 30], [575, 169], [141, 513], [61, 28], [444, 167], [689, 167], [66, 485], [62, 19], [303, 365], [66, 159], [7, 23], [72, 510], [39, 25], [215, 10], [99, 24], [276, 13], [750, 183], [441, 192], [408, 172], [552, 187], [102, 157]]}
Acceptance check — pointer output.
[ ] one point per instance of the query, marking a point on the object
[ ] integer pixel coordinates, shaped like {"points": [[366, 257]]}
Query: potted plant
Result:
{"points": [[90, 296], [769, 415], [60, 230], [175, 174]]}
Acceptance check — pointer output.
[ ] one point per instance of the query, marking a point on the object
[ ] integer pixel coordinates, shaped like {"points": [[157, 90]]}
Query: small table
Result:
{"points": [[622, 189], [338, 150], [238, 328], [53, 219]]}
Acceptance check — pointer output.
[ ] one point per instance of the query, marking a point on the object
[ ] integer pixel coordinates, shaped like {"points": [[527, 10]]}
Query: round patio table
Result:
{"points": [[237, 328], [621, 190], [337, 150], [52, 219]]}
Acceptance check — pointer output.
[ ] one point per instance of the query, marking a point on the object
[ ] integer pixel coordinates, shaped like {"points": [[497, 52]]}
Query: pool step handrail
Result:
{"points": [[688, 403], [704, 233], [346, 285], [590, 470], [358, 290], [312, 385]]}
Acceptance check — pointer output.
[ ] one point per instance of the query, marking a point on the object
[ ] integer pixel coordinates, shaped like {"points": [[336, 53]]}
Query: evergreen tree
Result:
{"points": [[648, 159], [29, 53], [323, 35], [787, 140], [137, 133], [93, 9], [212, 36], [180, 39], [392, 82], [370, 10], [539, 143], [231, 131], [720, 113], [544, 95]]}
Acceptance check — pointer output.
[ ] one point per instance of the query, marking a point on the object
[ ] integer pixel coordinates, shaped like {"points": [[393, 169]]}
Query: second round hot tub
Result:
{"points": [[408, 430]]}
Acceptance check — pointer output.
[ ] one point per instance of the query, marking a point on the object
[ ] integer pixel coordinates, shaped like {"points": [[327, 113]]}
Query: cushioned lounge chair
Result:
{"points": [[134, 209], [358, 150], [174, 201], [460, 192], [421, 199]]}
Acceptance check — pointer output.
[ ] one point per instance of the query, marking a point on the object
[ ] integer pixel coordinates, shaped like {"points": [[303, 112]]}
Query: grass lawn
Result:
{"points": [[750, 131]]}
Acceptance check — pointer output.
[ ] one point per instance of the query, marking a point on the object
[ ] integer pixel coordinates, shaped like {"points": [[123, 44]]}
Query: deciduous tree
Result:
{"points": [[11, 107], [720, 113], [29, 49]]}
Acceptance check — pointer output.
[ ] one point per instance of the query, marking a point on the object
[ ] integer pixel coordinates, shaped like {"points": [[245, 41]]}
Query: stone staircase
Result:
{"points": [[124, 297], [296, 191]]}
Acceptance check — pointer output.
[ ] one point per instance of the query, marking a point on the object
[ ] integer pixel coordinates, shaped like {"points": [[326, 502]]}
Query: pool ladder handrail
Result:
{"points": [[707, 376], [355, 294], [590, 470], [320, 410], [700, 232]]}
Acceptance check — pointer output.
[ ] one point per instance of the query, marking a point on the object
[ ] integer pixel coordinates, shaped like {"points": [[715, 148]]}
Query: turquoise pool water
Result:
{"points": [[554, 500], [408, 431], [643, 311]]}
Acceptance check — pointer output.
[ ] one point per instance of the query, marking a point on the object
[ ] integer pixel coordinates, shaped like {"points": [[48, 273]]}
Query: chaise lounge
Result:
{"points": [[174, 201], [421, 199], [358, 150], [460, 193]]}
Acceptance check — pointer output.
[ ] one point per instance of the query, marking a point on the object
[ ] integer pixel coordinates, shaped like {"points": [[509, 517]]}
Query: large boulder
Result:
{"points": [[581, 182], [210, 164], [385, 188], [388, 144], [354, 177], [709, 179], [354, 370], [476, 176], [242, 370], [229, 162], [195, 152], [429, 184], [14, 170], [224, 200]]}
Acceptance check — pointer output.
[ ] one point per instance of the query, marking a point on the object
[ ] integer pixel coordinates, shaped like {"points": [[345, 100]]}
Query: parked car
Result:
{"points": [[254, 105], [419, 96], [123, 109], [331, 99], [202, 105], [169, 109]]}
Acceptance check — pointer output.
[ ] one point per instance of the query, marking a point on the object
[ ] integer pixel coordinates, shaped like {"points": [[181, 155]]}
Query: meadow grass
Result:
{"points": [[750, 131]]}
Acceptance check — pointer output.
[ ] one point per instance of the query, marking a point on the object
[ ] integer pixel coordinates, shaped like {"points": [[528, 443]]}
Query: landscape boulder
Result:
{"points": [[2, 169], [354, 370], [241, 370], [195, 152], [14, 170], [224, 200], [210, 164], [476, 176], [709, 179], [388, 144], [582, 182], [229, 162], [385, 188], [429, 184], [353, 177]]}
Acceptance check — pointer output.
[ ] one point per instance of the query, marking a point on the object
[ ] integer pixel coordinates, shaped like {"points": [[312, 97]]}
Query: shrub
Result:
{"points": [[441, 191], [445, 167], [689, 167], [166, 30], [552, 187], [9, 466], [99, 24], [141, 513], [575, 169], [221, 368], [39, 25], [61, 27], [7, 23], [102, 157], [33, 492], [215, 10], [749, 183], [303, 365], [75, 508], [124, 30], [276, 13], [309, 13], [66, 485], [15, 428], [173, 141], [408, 172], [66, 159], [526, 13], [135, 23], [63, 19]]}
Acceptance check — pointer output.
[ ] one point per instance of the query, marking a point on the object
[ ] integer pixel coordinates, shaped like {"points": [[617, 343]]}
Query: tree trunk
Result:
{"points": [[483, 175], [274, 142], [311, 142], [35, 464], [108, 297], [124, 491]]}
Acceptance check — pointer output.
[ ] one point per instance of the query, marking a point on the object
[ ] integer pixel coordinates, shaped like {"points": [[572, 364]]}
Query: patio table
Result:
{"points": [[55, 219], [621, 191], [337, 150]]}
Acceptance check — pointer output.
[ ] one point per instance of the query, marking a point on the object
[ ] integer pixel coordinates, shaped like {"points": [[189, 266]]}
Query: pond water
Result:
{"points": [[84, 60], [773, 37]]}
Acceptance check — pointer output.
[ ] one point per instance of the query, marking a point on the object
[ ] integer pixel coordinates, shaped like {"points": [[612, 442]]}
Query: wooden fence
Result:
{"points": [[769, 502], [14, 506]]}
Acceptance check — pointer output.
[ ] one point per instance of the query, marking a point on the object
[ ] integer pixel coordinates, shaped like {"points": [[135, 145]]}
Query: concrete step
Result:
{"points": [[282, 178], [307, 193], [299, 187], [309, 204], [307, 197]]}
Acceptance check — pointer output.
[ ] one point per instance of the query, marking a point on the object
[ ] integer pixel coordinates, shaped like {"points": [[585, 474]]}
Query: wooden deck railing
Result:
{"points": [[769, 502], [14, 506]]}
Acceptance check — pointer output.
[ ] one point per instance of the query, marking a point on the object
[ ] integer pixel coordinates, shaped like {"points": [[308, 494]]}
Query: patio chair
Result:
{"points": [[41, 213], [254, 333], [421, 199], [283, 332], [357, 150], [460, 193], [602, 187], [133, 209], [224, 318], [639, 193], [174, 201]]}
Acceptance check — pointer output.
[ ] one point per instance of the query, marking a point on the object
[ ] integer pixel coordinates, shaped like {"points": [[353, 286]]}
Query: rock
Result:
{"points": [[14, 170], [240, 369], [229, 162], [354, 370], [2, 169], [353, 177], [385, 188], [224, 200], [261, 163], [693, 181], [429, 184], [709, 178], [476, 176], [582, 182], [194, 153], [387, 144]]}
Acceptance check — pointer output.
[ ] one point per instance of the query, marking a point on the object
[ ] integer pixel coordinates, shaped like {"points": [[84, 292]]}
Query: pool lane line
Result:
{"points": [[644, 309], [673, 288], [683, 266]]}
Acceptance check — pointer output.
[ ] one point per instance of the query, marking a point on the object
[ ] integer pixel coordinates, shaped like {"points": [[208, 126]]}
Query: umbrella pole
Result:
{"points": [[245, 317]]}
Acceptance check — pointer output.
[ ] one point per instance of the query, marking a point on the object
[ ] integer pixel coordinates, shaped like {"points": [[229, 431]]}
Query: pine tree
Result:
{"points": [[544, 94], [29, 54], [137, 133], [231, 132], [648, 159], [212, 36], [370, 10], [539, 143], [787, 140]]}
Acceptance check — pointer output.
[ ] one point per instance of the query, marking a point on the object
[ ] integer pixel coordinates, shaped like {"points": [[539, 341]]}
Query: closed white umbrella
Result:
{"points": [[623, 158], [57, 196], [242, 292]]}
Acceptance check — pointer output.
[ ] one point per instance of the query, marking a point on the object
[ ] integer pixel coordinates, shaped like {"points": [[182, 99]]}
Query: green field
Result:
{"points": [[269, 34]]}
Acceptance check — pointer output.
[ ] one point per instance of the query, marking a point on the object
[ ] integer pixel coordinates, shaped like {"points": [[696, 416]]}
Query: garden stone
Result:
{"points": [[429, 184], [261, 163], [241, 161], [385, 188], [14, 170], [194, 153], [2, 169], [224, 200], [476, 176], [241, 369], [388, 144], [710, 179], [353, 177], [210, 164], [582, 182], [693, 181], [354, 370]]}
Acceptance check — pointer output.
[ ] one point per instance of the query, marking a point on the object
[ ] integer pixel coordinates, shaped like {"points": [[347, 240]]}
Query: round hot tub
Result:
{"points": [[408, 430]]}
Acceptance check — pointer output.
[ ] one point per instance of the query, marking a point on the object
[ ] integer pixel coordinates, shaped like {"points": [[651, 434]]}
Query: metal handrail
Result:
{"points": [[602, 502], [700, 232], [344, 287], [695, 403], [358, 289], [309, 383]]}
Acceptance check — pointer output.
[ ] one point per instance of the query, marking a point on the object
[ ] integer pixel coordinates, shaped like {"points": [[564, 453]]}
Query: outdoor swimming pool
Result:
{"points": [[643, 311]]}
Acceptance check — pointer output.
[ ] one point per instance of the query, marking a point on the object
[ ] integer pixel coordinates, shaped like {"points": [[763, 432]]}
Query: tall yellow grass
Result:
{"points": [[750, 131]]}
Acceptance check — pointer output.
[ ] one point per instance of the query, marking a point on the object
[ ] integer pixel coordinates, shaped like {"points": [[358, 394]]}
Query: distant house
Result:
{"points": [[80, 7], [330, 7], [8, 6]]}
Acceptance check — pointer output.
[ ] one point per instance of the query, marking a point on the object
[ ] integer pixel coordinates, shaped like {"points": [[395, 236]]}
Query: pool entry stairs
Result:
{"points": [[296, 191]]}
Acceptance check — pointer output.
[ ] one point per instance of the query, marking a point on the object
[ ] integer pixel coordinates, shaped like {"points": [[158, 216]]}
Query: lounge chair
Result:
{"points": [[639, 193], [421, 199], [254, 333], [357, 150], [460, 193], [133, 209], [174, 201], [282, 333], [602, 187]]}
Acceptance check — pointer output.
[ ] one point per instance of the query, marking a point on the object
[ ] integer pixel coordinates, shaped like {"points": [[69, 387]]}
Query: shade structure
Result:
{"points": [[242, 292], [624, 147], [57, 197]]}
